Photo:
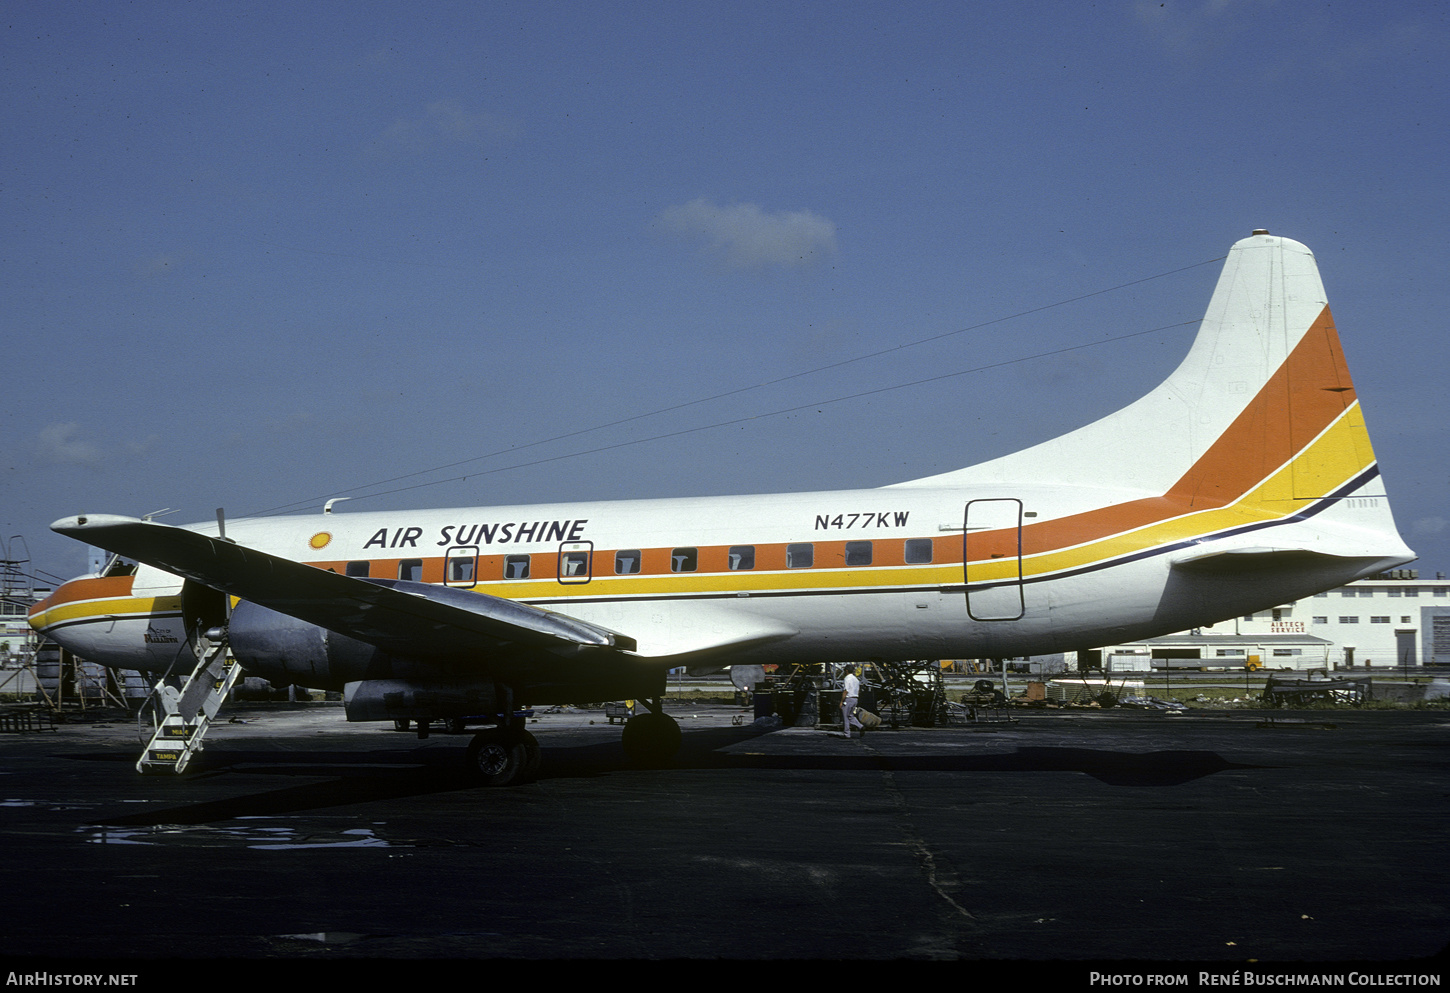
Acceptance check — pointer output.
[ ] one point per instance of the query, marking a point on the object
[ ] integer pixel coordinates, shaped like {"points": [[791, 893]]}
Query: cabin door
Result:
{"points": [[992, 555]]}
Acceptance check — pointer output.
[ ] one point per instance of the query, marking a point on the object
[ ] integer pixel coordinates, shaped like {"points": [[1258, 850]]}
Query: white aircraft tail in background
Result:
{"points": [[1244, 481]]}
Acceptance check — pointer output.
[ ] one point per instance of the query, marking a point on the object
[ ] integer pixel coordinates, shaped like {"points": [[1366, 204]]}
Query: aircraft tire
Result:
{"points": [[651, 740], [497, 758]]}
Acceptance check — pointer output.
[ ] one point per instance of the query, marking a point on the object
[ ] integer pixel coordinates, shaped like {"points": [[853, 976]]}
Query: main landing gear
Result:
{"points": [[653, 739], [508, 755], [503, 756]]}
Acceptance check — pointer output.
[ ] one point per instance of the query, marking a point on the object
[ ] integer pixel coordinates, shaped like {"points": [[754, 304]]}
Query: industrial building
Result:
{"points": [[1393, 620], [18, 593]]}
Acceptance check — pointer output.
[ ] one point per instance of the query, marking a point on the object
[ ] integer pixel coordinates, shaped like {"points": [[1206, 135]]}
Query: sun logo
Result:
{"points": [[320, 539]]}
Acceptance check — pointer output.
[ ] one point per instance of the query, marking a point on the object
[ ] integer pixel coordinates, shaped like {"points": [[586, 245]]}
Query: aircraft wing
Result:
{"points": [[399, 617]]}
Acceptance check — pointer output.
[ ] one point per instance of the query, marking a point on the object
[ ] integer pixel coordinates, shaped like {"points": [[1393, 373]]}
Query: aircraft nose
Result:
{"points": [[69, 602], [36, 615]]}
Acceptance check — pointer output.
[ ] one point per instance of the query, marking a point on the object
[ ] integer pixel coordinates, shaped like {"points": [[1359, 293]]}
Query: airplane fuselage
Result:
{"points": [[881, 574]]}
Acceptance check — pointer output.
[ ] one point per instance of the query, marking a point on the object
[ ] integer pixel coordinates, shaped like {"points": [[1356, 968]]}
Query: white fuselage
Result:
{"points": [[787, 578]]}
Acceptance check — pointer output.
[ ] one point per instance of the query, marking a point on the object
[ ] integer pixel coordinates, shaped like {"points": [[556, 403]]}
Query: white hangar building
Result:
{"points": [[1395, 619]]}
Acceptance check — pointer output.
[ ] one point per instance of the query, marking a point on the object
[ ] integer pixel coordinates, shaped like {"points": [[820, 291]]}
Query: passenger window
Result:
{"points": [[462, 569], [359, 569], [742, 557], [684, 559], [626, 562], [515, 567], [858, 553], [800, 556], [411, 570], [574, 564], [918, 550]]}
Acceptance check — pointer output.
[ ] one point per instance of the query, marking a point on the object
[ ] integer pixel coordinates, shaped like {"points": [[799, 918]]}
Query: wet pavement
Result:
{"points": [[1115, 835]]}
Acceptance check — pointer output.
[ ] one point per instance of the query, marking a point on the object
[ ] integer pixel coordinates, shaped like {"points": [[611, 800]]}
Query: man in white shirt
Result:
{"points": [[850, 691]]}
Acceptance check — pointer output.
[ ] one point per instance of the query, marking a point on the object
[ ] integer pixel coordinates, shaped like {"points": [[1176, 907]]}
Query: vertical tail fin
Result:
{"points": [[1260, 416], [1263, 378], [1269, 394]]}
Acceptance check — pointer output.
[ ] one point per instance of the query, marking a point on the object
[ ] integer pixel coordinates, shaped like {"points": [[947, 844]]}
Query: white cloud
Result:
{"points": [[480, 128], [442, 123], [1193, 30], [750, 237], [63, 444], [58, 445]]}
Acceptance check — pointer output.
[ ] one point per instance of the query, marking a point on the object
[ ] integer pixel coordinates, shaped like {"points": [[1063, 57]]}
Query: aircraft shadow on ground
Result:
{"points": [[388, 774]]}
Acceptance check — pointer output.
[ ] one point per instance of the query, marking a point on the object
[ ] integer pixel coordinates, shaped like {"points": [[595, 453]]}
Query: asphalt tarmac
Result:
{"points": [[1217, 837]]}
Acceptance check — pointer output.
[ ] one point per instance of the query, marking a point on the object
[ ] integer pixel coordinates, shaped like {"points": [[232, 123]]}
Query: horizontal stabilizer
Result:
{"points": [[1254, 560]]}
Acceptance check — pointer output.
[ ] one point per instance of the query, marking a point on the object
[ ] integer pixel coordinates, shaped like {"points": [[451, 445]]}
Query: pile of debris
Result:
{"points": [[1297, 691]]}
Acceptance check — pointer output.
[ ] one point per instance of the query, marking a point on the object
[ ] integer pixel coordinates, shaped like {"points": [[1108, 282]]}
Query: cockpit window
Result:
{"points": [[118, 566]]}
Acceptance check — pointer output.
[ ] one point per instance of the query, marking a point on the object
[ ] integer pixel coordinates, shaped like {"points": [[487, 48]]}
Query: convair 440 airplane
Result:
{"points": [[1243, 481]]}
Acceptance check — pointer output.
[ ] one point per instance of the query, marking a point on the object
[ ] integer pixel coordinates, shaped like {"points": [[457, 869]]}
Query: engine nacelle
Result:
{"points": [[286, 650], [401, 699]]}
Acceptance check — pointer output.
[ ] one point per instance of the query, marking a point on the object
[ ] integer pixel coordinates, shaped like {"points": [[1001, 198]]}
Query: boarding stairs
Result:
{"points": [[180, 717]]}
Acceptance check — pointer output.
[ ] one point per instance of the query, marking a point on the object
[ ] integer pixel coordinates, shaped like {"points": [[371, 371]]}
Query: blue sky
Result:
{"points": [[256, 255]]}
